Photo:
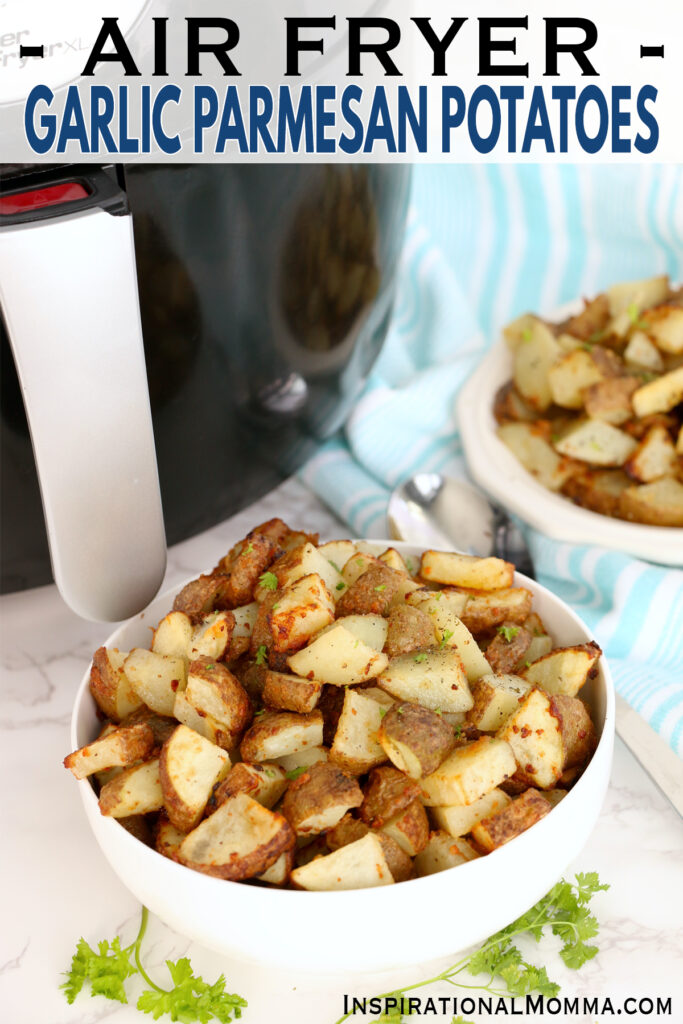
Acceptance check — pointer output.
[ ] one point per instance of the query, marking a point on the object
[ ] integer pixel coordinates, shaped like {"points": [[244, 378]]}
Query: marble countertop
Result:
{"points": [[56, 885]]}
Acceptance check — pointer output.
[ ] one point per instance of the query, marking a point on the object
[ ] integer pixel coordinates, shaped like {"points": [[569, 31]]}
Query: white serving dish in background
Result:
{"points": [[364, 929], [498, 472]]}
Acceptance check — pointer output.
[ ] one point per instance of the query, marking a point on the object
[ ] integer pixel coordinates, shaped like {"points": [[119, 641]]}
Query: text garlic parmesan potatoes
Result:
{"points": [[330, 716]]}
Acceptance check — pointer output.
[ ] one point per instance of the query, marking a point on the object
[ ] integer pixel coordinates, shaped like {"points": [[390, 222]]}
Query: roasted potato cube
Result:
{"points": [[495, 698], [135, 790], [357, 564], [350, 829], [532, 360], [570, 375], [593, 318], [117, 749], [203, 595], [274, 529], [275, 733], [204, 724], [665, 327], [641, 352], [372, 593], [469, 773], [596, 442], [458, 821], [654, 457], [279, 872], [388, 792], [253, 560], [415, 739], [213, 690], [302, 759], [435, 679], [338, 657], [211, 638], [245, 620], [600, 490], [370, 629], [628, 299], [565, 669], [156, 678], [360, 865], [167, 838], [659, 503], [466, 570], [189, 768], [173, 635], [355, 745], [510, 407], [659, 395], [610, 400], [303, 608], [499, 828], [485, 612], [239, 840], [441, 605], [338, 552], [548, 734], [392, 558], [441, 852], [110, 687], [306, 560], [530, 444], [508, 648], [320, 798], [347, 830], [410, 828], [291, 693], [264, 783]]}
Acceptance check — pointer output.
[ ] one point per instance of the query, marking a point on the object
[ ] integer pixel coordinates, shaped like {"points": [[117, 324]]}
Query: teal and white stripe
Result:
{"points": [[485, 243]]}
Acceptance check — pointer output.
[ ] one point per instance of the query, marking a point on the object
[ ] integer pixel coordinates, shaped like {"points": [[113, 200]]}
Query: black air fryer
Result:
{"points": [[265, 293]]}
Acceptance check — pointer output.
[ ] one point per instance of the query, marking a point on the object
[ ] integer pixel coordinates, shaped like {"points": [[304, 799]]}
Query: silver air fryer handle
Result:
{"points": [[69, 294]]}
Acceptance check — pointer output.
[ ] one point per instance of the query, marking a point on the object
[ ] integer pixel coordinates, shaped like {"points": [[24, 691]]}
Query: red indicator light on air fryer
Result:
{"points": [[52, 195]]}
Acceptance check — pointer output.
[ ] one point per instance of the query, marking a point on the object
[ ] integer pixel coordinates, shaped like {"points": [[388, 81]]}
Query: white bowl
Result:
{"points": [[493, 466], [365, 929]]}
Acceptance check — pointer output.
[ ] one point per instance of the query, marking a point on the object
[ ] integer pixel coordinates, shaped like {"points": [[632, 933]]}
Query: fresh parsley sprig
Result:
{"points": [[190, 1001], [564, 911]]}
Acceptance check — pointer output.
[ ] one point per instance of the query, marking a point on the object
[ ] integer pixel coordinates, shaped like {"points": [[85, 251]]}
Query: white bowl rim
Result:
{"points": [[494, 467], [377, 895]]}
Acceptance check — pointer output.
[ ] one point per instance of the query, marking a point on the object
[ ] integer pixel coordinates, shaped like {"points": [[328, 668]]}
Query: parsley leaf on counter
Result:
{"points": [[564, 911], [190, 1000]]}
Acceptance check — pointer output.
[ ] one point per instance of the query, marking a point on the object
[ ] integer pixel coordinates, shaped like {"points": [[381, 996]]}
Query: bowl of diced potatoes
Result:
{"points": [[344, 755], [575, 421]]}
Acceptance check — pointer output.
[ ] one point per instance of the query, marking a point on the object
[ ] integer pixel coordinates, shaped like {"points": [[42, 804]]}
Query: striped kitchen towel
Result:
{"points": [[485, 243]]}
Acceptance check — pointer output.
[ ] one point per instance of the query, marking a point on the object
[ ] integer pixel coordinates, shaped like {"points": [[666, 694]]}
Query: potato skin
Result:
{"points": [[515, 818], [270, 724], [290, 693], [503, 655], [410, 828], [105, 681], [387, 793], [161, 725], [243, 777], [485, 616], [201, 596], [410, 629], [577, 729], [372, 593], [256, 555], [134, 743], [422, 731], [351, 829], [322, 787]]}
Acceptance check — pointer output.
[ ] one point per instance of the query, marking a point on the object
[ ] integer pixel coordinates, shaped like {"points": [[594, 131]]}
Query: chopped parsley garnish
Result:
{"points": [[382, 712], [380, 587], [296, 772], [508, 633], [257, 714], [275, 607], [248, 550], [261, 655], [526, 334], [268, 580], [420, 657], [527, 664], [447, 634], [334, 565], [457, 732], [437, 595], [340, 586]]}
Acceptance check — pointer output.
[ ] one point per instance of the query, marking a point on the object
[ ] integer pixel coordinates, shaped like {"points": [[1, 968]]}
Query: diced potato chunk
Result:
{"points": [[355, 745], [532, 361], [213, 690], [459, 820], [415, 739], [291, 693], [303, 608], [173, 635], [570, 375], [665, 327], [370, 629], [485, 612], [564, 670], [466, 570], [659, 395], [275, 733], [495, 698], [320, 798], [118, 748], [441, 852], [359, 865], [135, 790], [189, 768], [264, 783], [500, 827], [410, 828], [204, 724], [628, 299], [435, 679], [156, 678], [659, 503], [529, 444], [306, 560], [641, 352], [469, 773], [110, 686], [338, 657], [596, 442], [654, 457]]}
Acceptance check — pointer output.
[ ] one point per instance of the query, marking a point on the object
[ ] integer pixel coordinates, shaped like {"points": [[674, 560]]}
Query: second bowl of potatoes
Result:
{"points": [[363, 756]]}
